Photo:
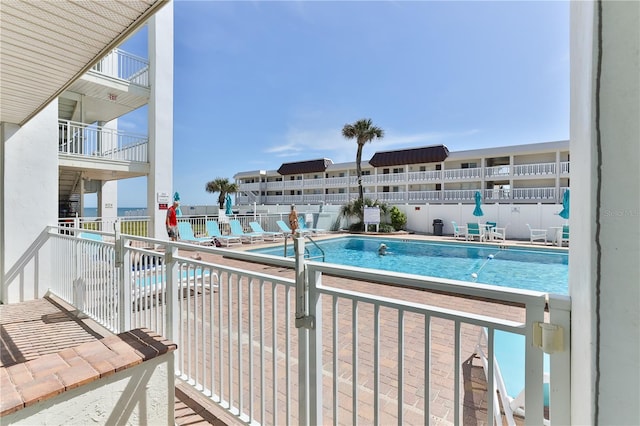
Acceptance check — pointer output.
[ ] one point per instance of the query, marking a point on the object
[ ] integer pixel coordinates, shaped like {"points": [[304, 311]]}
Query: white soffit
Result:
{"points": [[46, 45]]}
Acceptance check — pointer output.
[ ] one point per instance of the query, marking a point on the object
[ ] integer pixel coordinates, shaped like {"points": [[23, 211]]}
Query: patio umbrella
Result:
{"points": [[228, 210], [478, 210], [176, 197], [565, 205]]}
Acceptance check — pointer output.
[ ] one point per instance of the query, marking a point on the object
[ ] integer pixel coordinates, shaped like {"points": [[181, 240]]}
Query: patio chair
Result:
{"points": [[508, 374], [249, 237], [459, 231], [267, 235], [213, 231], [474, 230], [565, 235], [302, 223], [287, 231], [186, 235], [537, 234], [498, 233]]}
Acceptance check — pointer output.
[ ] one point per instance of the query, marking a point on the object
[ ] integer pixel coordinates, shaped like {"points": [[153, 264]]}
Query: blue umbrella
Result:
{"points": [[478, 210], [565, 205], [228, 210], [176, 197]]}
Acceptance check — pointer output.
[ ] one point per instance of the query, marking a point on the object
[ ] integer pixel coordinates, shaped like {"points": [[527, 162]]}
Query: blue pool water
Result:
{"points": [[532, 269]]}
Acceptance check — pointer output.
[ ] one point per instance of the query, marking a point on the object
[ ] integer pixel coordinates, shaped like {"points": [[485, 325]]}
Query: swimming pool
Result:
{"points": [[526, 268]]}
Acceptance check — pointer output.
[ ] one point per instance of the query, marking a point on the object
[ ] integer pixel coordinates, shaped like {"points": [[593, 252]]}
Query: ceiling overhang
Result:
{"points": [[46, 45]]}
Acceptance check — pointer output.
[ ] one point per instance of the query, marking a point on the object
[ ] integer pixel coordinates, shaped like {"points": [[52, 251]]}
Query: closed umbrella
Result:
{"points": [[565, 205], [176, 197], [478, 210], [228, 210]]}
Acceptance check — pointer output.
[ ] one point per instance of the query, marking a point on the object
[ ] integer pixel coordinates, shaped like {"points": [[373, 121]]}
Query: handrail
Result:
{"points": [[306, 250]]}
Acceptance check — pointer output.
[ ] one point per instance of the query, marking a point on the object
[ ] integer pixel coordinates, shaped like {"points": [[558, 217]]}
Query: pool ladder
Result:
{"points": [[307, 253]]}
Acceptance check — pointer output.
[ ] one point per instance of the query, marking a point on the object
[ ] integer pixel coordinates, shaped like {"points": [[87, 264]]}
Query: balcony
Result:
{"points": [[497, 171], [541, 169], [270, 349], [424, 176], [342, 182], [460, 174], [124, 66], [84, 140], [391, 178]]}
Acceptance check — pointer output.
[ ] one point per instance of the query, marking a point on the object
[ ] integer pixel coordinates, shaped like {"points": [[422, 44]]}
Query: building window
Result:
{"points": [[468, 165]]}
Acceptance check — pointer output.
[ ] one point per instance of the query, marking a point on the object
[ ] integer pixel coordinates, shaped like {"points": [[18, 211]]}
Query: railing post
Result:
{"points": [[127, 284], [534, 373], [314, 387], [173, 280], [560, 367], [303, 334]]}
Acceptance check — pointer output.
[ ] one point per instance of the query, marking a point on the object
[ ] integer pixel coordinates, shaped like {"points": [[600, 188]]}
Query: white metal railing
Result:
{"points": [[399, 197], [391, 177], [314, 182], [471, 173], [534, 193], [124, 66], [564, 167], [497, 171], [133, 225], [458, 194], [96, 141], [253, 186], [424, 195], [425, 176], [497, 194], [241, 345], [336, 198], [313, 198], [288, 184], [274, 199], [534, 169], [337, 181], [274, 185]]}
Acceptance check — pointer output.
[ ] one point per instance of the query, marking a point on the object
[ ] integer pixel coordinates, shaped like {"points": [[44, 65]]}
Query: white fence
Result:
{"points": [[240, 343]]}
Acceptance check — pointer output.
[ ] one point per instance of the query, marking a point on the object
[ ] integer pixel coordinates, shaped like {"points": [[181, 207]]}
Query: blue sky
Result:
{"points": [[259, 83]]}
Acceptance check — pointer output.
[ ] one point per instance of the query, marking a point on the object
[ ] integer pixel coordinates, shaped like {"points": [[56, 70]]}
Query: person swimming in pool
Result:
{"points": [[382, 250]]}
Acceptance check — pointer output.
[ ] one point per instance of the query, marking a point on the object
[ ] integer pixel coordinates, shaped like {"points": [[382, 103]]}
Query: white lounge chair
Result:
{"points": [[267, 235], [213, 231], [249, 237], [186, 234], [537, 234]]}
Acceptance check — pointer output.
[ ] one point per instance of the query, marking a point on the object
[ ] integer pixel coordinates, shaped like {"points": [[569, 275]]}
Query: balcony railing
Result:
{"points": [[124, 66], [337, 181], [534, 169], [564, 168], [95, 141], [497, 171], [392, 178], [534, 194], [276, 350], [456, 174], [424, 176]]}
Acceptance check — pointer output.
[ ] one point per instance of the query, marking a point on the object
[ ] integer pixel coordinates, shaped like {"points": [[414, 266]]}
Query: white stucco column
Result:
{"points": [[160, 116], [108, 189], [604, 266], [29, 203]]}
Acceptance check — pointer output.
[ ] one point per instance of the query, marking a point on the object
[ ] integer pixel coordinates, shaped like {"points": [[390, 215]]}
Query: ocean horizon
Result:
{"points": [[122, 211]]}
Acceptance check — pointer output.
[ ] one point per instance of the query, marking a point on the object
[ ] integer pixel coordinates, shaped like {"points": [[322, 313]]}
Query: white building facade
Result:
{"points": [[533, 173]]}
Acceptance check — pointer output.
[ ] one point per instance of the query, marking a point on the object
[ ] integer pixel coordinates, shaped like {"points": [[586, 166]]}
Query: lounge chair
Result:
{"points": [[267, 235], [237, 231], [565, 235], [303, 227], [537, 234], [287, 231], [213, 231], [459, 231], [186, 234], [508, 375], [474, 230]]}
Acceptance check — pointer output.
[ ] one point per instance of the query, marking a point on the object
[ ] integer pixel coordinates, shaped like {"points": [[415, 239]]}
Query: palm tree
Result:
{"points": [[363, 131], [224, 187]]}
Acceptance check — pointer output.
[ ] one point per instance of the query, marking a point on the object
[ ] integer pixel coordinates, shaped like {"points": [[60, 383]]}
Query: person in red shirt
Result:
{"points": [[172, 221]]}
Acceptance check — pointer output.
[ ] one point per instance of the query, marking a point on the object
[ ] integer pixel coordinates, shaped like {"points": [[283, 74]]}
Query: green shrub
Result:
{"points": [[386, 228], [398, 218]]}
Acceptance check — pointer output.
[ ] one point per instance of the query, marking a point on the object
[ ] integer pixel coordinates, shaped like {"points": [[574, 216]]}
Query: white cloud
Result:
{"points": [[329, 143]]}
